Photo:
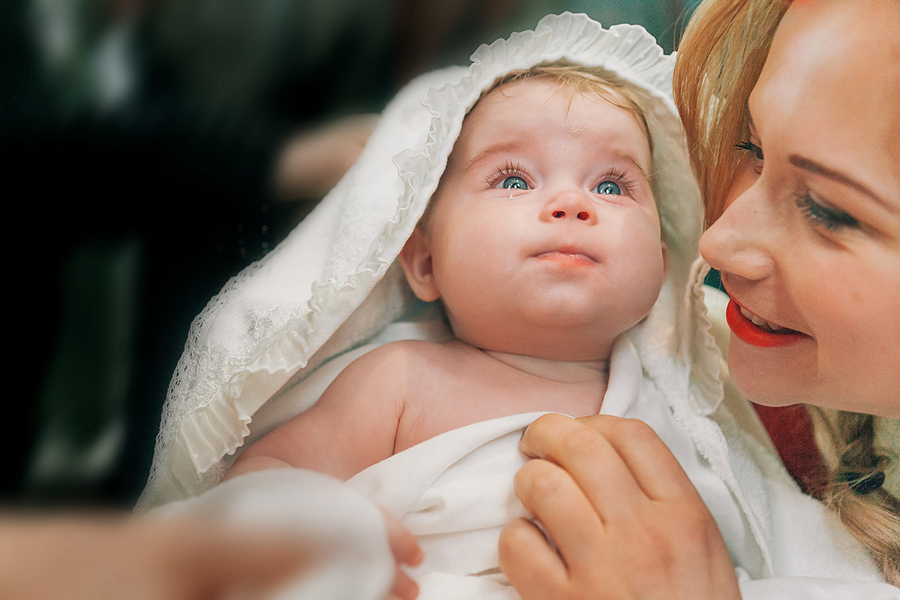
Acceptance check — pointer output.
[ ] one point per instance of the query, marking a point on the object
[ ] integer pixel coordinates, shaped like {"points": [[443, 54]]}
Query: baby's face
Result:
{"points": [[545, 218]]}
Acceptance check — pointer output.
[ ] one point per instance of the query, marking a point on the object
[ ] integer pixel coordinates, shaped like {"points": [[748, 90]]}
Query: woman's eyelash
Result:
{"points": [[831, 218], [751, 148]]}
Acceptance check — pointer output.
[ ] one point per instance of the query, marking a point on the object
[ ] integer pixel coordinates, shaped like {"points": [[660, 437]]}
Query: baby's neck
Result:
{"points": [[559, 371]]}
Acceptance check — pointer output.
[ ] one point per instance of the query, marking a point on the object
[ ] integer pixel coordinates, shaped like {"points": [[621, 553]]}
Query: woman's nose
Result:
{"points": [[740, 241], [570, 205]]}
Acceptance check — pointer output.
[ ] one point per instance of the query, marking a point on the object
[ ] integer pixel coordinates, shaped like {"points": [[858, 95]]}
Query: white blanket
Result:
{"points": [[455, 493]]}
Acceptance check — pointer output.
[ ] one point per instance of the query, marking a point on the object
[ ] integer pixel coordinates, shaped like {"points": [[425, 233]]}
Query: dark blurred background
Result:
{"points": [[138, 143]]}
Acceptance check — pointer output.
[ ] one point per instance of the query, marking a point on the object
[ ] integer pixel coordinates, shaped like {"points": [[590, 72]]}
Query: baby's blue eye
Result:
{"points": [[514, 183], [609, 187]]}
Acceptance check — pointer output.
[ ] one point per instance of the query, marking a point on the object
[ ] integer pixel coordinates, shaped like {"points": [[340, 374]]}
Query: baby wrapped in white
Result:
{"points": [[269, 344]]}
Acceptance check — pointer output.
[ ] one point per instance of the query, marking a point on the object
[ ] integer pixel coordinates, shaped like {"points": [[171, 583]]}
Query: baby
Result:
{"points": [[543, 244]]}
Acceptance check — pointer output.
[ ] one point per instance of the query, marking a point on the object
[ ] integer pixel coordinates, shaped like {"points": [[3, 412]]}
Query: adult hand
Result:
{"points": [[120, 556], [402, 543], [624, 518], [312, 163], [406, 551]]}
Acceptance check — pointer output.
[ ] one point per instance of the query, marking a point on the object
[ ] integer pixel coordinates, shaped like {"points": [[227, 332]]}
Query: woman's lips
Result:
{"points": [[764, 335]]}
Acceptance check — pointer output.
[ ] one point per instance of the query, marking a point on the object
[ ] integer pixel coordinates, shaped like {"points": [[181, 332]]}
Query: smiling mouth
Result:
{"points": [[756, 331], [763, 324]]}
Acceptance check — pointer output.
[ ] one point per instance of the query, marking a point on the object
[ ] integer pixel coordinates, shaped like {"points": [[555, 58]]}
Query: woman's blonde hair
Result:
{"points": [[719, 61]]}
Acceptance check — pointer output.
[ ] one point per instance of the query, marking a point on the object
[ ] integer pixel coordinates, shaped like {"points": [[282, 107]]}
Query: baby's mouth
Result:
{"points": [[567, 254]]}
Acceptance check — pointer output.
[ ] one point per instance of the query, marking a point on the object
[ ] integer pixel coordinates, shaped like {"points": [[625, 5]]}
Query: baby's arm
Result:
{"points": [[351, 427]]}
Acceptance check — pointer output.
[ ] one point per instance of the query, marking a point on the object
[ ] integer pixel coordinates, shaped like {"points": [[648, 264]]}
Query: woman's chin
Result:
{"points": [[771, 376], [789, 375]]}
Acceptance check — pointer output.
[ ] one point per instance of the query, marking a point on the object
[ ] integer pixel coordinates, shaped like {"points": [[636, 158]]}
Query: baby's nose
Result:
{"points": [[571, 205]]}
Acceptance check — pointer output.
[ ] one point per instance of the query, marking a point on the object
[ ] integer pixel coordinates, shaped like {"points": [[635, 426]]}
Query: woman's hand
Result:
{"points": [[406, 551], [112, 556], [625, 519]]}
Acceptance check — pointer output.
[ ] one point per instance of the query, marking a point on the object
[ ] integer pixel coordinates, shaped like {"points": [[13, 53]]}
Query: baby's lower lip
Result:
{"points": [[764, 336], [567, 257]]}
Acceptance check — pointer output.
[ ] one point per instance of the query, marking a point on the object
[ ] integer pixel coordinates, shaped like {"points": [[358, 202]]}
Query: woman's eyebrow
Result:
{"points": [[836, 176], [812, 166]]}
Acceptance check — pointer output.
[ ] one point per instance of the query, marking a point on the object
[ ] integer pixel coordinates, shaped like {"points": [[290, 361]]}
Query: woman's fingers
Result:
{"points": [[556, 501], [403, 588], [530, 564], [403, 544], [590, 460], [593, 449], [647, 533], [406, 551], [650, 461]]}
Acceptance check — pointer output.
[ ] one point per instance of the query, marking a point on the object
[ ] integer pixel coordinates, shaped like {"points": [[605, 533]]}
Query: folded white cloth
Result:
{"points": [[454, 492]]}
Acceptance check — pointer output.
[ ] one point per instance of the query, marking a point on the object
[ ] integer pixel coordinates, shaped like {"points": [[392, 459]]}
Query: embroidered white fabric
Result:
{"points": [[332, 285]]}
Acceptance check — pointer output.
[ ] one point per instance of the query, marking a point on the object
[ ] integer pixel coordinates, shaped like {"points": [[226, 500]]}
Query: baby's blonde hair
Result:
{"points": [[719, 61]]}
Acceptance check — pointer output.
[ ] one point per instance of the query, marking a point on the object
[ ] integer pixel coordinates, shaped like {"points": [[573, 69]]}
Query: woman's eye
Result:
{"points": [[752, 149], [609, 187], [833, 219], [514, 183]]}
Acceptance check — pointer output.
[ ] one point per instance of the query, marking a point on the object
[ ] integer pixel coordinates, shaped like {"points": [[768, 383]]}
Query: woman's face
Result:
{"points": [[809, 244]]}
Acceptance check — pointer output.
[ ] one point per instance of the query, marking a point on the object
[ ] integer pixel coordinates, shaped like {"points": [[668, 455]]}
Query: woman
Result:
{"points": [[792, 111]]}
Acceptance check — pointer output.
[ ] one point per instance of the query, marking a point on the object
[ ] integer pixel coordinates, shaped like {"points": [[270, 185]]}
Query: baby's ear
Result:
{"points": [[415, 258]]}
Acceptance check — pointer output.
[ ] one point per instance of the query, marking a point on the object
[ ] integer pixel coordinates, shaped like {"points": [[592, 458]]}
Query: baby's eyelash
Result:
{"points": [[832, 219], [620, 176], [511, 169]]}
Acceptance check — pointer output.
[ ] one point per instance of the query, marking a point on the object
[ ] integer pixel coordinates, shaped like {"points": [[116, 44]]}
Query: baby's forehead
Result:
{"points": [[570, 87], [541, 85], [517, 109]]}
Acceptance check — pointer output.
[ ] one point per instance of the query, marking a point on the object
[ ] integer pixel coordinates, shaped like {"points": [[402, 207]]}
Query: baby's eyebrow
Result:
{"points": [[498, 148], [626, 157], [636, 165]]}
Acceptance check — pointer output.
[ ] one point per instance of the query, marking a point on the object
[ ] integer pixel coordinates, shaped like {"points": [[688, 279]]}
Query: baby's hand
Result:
{"points": [[406, 552]]}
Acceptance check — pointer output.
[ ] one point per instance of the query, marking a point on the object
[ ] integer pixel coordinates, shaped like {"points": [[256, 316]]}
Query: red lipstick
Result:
{"points": [[749, 333]]}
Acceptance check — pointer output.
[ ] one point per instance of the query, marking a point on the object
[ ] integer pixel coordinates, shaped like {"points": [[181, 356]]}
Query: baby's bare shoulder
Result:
{"points": [[415, 354]]}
